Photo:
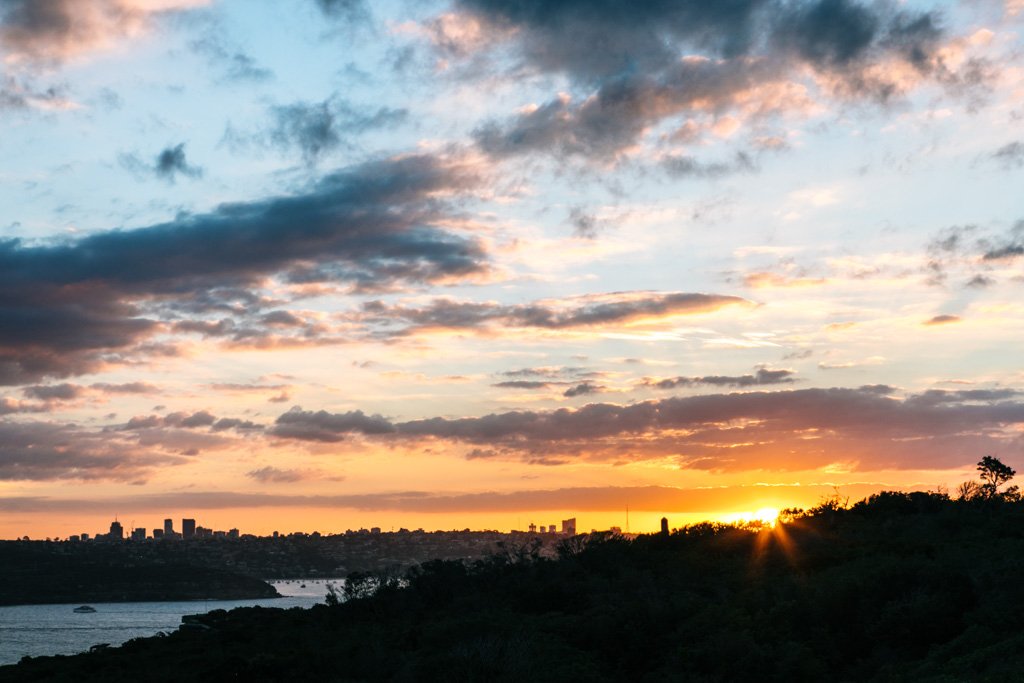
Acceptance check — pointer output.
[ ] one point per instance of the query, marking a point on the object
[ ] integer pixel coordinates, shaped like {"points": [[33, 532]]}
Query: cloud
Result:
{"points": [[584, 389], [184, 420], [1008, 247], [972, 253], [328, 427], [584, 224], [761, 378], [314, 129], [235, 64], [783, 430], [274, 475], [171, 162], [524, 384], [661, 499], [605, 310], [1010, 155], [39, 451], [680, 166], [167, 165], [553, 372], [944, 319], [67, 307], [126, 388], [54, 392], [57, 30], [16, 94], [640, 65], [348, 10]]}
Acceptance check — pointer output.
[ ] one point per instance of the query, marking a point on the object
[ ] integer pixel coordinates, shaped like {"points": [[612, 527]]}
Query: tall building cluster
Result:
{"points": [[189, 531]]}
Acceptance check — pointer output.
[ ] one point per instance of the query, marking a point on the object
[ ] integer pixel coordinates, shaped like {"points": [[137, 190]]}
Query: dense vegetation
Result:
{"points": [[33, 573], [901, 586]]}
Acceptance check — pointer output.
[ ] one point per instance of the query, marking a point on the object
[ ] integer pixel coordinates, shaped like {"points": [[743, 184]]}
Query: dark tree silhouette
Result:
{"points": [[994, 474]]}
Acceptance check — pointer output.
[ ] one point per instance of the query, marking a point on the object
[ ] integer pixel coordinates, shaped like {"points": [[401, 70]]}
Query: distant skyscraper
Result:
{"points": [[664, 526], [168, 527], [569, 526], [116, 531], [138, 534], [158, 533], [188, 528]]}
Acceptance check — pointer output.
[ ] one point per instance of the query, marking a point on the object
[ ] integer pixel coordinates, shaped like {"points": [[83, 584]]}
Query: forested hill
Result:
{"points": [[901, 587], [32, 573]]}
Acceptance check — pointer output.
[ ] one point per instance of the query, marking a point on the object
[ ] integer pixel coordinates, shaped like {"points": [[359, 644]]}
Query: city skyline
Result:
{"points": [[330, 263]]}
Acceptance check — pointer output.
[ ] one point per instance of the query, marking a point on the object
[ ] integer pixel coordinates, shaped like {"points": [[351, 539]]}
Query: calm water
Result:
{"points": [[55, 629]]}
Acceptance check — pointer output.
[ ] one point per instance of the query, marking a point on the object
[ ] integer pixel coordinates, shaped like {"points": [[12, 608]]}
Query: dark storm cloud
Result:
{"points": [[626, 56], [866, 426], [611, 309], [68, 307], [762, 377]]}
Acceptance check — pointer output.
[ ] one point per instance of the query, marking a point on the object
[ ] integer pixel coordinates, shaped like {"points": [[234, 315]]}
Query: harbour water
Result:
{"points": [[38, 630]]}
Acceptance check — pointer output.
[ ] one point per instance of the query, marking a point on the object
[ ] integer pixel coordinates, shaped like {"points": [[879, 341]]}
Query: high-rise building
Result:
{"points": [[138, 534], [169, 528], [569, 526], [188, 528], [116, 531], [158, 533]]}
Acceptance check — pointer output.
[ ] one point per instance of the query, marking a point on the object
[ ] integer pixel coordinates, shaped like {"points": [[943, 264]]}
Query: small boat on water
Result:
{"points": [[85, 609]]}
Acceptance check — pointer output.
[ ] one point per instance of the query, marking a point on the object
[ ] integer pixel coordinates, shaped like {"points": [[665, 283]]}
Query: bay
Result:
{"points": [[39, 630]]}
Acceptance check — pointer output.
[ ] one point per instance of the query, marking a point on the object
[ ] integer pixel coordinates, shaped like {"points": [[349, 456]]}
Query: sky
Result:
{"points": [[330, 264]]}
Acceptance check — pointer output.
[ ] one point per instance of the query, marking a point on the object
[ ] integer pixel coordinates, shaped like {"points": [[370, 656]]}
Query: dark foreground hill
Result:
{"points": [[903, 587], [31, 573]]}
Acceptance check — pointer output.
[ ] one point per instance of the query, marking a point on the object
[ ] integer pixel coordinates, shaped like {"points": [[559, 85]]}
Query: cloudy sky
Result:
{"points": [[323, 264]]}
